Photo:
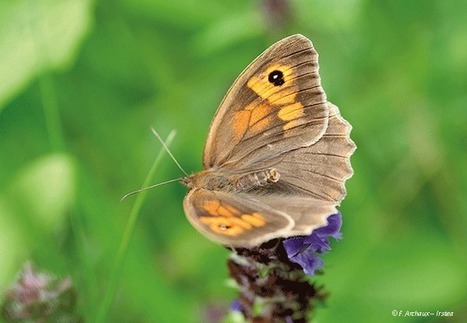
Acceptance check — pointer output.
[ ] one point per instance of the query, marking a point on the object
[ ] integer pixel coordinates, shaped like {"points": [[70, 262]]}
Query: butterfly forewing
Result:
{"points": [[276, 105]]}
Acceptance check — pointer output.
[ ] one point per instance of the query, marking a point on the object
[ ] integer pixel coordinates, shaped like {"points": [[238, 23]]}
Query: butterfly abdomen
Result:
{"points": [[217, 181], [257, 179]]}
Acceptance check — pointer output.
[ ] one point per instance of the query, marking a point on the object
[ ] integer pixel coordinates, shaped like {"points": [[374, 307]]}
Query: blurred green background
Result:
{"points": [[82, 82]]}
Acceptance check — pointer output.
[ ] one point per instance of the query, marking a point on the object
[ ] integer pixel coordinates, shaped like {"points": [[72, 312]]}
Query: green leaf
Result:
{"points": [[36, 36], [13, 248], [44, 190]]}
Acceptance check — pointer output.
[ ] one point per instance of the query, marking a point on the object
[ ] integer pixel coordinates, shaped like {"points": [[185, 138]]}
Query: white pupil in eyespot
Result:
{"points": [[276, 77]]}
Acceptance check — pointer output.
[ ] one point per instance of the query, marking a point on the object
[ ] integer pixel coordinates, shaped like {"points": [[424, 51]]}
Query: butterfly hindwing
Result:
{"points": [[307, 213], [320, 170], [234, 220]]}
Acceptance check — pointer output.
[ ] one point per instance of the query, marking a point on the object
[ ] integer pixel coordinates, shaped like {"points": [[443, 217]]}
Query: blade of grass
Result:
{"points": [[116, 270], [51, 112]]}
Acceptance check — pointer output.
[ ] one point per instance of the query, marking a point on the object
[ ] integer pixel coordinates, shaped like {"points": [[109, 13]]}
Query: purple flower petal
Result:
{"points": [[332, 228], [236, 306], [304, 250]]}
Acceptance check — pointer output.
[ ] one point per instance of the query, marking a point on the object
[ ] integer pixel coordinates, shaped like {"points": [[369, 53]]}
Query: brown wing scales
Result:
{"points": [[320, 170], [277, 99], [235, 220]]}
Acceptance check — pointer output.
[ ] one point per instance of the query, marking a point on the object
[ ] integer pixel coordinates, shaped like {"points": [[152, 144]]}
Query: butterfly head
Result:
{"points": [[207, 179]]}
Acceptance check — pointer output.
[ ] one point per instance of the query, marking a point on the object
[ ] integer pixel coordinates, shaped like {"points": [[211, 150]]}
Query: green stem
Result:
{"points": [[129, 229], [51, 112]]}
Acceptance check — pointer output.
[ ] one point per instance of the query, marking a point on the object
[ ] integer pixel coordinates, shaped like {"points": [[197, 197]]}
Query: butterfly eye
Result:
{"points": [[276, 77]]}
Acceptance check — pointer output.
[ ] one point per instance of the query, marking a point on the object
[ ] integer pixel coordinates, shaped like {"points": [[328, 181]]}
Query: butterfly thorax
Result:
{"points": [[216, 180]]}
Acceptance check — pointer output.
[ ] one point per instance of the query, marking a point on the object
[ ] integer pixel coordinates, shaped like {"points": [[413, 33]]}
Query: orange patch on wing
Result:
{"points": [[241, 223], [231, 209], [211, 206], [251, 106], [216, 209], [291, 112], [291, 124], [254, 219], [284, 96], [225, 212], [260, 86], [231, 225], [266, 90], [257, 115], [222, 225], [259, 112], [240, 123], [261, 125]]}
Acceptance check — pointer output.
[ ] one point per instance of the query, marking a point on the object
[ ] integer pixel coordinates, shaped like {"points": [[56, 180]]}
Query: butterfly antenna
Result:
{"points": [[149, 187], [168, 150]]}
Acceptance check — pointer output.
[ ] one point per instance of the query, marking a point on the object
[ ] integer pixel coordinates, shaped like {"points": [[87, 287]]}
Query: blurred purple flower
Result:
{"points": [[236, 306], [304, 250], [37, 296]]}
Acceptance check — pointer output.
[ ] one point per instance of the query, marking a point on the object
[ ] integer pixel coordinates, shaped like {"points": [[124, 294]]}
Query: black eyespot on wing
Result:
{"points": [[276, 77]]}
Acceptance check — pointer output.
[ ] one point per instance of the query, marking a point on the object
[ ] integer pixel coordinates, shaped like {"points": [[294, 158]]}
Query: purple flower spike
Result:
{"points": [[304, 250]]}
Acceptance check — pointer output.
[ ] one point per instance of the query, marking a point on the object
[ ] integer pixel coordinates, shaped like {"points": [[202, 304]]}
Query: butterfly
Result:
{"points": [[277, 154]]}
